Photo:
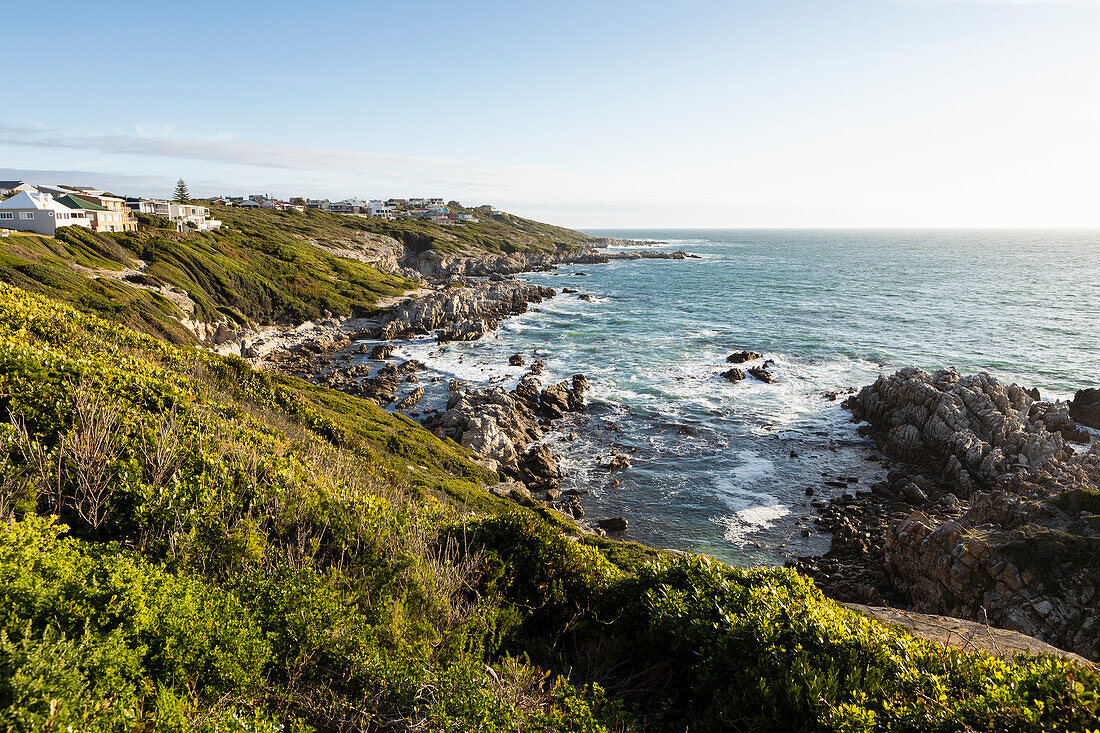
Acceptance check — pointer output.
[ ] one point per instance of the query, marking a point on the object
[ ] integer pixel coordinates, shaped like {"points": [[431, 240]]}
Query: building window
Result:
{"points": [[7, 215], [26, 215]]}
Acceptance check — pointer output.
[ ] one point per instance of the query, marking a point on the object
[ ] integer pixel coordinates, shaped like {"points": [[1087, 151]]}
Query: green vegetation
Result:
{"points": [[188, 544], [497, 234]]}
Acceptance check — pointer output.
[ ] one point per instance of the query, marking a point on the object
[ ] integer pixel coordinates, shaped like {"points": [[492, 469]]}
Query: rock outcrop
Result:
{"points": [[988, 514], [464, 312], [505, 428]]}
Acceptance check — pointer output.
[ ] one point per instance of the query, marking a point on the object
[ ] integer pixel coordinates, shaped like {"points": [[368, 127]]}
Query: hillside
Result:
{"points": [[190, 544], [503, 233]]}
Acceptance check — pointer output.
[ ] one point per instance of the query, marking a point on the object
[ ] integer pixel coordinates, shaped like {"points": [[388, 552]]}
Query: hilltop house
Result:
{"points": [[39, 213]]}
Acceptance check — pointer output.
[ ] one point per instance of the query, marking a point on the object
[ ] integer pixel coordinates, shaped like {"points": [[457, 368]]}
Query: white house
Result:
{"points": [[188, 217], [38, 213], [379, 208]]}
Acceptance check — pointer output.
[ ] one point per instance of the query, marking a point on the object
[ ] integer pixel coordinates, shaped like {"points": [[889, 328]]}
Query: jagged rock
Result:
{"points": [[410, 400], [740, 357], [463, 313], [1085, 407], [381, 351], [734, 375], [587, 298], [539, 468], [762, 373], [515, 360], [537, 366], [970, 429]]}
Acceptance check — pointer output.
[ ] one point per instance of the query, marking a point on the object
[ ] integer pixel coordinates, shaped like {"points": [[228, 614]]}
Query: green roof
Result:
{"points": [[75, 203]]}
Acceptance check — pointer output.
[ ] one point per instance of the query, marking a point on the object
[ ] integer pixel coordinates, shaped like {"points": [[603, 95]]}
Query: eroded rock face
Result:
{"points": [[464, 313]]}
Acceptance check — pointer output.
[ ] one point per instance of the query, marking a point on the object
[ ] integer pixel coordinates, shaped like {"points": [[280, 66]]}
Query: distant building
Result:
{"points": [[378, 208], [115, 217], [466, 217], [39, 213], [7, 188], [188, 217]]}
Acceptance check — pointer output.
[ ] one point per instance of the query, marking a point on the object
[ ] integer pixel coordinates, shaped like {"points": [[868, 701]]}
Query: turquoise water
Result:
{"points": [[722, 468]]}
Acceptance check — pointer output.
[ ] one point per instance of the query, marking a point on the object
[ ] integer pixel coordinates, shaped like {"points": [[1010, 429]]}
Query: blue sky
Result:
{"points": [[587, 114]]}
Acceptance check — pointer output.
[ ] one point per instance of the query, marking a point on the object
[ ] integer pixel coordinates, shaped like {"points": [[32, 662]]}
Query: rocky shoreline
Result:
{"points": [[990, 512], [463, 299]]}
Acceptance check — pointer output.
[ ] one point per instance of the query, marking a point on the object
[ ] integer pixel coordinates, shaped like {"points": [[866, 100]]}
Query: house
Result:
{"points": [[114, 218], [39, 213], [7, 188], [81, 208], [250, 203], [188, 217], [466, 217], [378, 208]]}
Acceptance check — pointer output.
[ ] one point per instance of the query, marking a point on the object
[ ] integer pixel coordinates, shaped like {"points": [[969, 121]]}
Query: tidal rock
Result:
{"points": [[381, 390], [515, 360], [465, 312], [734, 375], [762, 374], [539, 468], [740, 357]]}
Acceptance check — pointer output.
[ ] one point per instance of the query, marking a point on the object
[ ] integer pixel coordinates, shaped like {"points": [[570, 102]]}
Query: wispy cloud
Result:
{"points": [[217, 150]]}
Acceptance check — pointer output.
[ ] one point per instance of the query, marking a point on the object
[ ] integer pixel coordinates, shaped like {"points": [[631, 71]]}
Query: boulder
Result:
{"points": [[1085, 407], [516, 360], [613, 524]]}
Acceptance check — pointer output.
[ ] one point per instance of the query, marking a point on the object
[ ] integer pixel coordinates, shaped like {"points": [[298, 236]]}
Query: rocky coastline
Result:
{"points": [[990, 511], [462, 299]]}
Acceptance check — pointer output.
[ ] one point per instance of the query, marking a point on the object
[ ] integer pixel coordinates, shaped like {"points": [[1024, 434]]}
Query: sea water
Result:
{"points": [[723, 468]]}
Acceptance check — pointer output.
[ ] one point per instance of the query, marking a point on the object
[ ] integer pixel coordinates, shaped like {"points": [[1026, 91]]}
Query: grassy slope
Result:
{"points": [[496, 234], [244, 550]]}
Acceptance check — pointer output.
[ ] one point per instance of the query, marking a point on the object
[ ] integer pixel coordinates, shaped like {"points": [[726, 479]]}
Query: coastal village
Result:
{"points": [[41, 209]]}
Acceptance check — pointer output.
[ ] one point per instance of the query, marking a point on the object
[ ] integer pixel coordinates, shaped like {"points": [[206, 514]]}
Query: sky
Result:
{"points": [[777, 113]]}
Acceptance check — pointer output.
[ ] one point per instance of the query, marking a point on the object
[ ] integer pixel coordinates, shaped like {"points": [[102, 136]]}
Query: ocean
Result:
{"points": [[724, 469]]}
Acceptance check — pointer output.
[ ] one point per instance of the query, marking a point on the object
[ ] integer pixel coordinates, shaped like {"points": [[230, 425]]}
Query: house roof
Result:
{"points": [[73, 202], [26, 200], [11, 184]]}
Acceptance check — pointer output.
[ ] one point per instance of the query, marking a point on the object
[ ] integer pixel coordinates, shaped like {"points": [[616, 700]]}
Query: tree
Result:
{"points": [[182, 194]]}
